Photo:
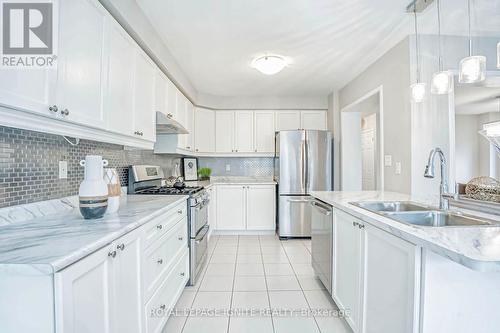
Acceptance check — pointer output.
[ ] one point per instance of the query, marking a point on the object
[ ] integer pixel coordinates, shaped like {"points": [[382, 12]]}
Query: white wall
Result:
{"points": [[392, 72], [467, 148], [333, 122]]}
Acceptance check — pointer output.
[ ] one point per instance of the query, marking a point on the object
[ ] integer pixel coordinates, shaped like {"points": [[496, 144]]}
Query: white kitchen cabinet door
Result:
{"points": [[212, 208], [231, 207], [204, 130], [180, 107], [287, 120], [264, 131], [120, 57], [80, 83], [391, 275], [83, 293], [189, 138], [28, 89], [144, 99], [127, 299], [313, 120], [171, 100], [224, 131], [160, 92], [260, 208], [244, 132], [347, 291]]}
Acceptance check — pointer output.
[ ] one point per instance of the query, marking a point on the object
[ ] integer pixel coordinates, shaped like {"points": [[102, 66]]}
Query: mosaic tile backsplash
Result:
{"points": [[29, 164], [239, 166]]}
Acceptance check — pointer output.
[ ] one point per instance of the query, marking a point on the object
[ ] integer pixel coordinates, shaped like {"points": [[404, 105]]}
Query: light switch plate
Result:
{"points": [[398, 168], [388, 160], [63, 169], [228, 167]]}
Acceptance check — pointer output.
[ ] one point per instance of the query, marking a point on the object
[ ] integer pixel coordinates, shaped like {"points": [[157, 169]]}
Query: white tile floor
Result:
{"points": [[256, 273]]}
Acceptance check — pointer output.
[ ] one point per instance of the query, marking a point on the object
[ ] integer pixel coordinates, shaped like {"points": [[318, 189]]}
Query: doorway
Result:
{"points": [[362, 144]]}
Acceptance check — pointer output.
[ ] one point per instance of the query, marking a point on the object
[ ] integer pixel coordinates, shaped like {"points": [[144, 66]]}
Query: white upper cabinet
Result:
{"points": [[180, 107], [287, 120], [243, 142], [313, 120], [144, 99], [160, 92], [119, 91], [189, 124], [204, 130], [171, 100], [80, 62], [224, 131], [264, 131]]}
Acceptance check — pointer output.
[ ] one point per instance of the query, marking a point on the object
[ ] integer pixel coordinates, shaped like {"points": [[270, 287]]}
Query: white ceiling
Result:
{"points": [[329, 41]]}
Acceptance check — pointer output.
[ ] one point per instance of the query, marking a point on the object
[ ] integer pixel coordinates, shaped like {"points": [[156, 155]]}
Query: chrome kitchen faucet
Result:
{"points": [[444, 195]]}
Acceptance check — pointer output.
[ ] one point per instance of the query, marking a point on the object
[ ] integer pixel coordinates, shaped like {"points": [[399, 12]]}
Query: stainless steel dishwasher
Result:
{"points": [[322, 242]]}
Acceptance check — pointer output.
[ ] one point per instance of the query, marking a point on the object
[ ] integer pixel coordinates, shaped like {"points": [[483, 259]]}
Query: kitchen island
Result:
{"points": [[70, 275], [397, 277]]}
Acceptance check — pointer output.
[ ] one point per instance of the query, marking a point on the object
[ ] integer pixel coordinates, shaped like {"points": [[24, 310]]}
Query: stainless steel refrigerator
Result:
{"points": [[303, 163]]}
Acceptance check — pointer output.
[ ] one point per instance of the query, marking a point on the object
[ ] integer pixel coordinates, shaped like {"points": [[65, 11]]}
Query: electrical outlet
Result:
{"points": [[228, 167], [398, 168], [63, 169], [388, 160]]}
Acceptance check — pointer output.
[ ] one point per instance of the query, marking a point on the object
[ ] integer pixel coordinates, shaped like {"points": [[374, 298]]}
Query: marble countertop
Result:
{"points": [[476, 247], [50, 242], [233, 180]]}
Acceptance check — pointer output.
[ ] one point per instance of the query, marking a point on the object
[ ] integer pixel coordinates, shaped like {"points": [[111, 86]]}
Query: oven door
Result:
{"points": [[199, 218], [198, 253]]}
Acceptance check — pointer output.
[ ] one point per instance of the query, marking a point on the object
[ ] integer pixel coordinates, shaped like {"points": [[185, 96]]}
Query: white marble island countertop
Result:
{"points": [[477, 247], [54, 241]]}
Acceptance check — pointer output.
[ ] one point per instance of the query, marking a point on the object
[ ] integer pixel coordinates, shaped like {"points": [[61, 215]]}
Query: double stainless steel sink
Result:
{"points": [[416, 214]]}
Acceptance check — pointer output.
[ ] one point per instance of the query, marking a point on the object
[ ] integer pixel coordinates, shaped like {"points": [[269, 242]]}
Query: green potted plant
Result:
{"points": [[204, 173]]}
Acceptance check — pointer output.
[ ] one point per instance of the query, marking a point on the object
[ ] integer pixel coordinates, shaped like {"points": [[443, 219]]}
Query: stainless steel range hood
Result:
{"points": [[167, 125]]}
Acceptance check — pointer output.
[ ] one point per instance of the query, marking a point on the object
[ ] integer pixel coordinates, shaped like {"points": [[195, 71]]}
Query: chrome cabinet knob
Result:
{"points": [[65, 112], [355, 224], [188, 147], [112, 254], [163, 307], [180, 238], [159, 227], [53, 108], [121, 247], [159, 261], [183, 274], [361, 226], [169, 115], [179, 211]]}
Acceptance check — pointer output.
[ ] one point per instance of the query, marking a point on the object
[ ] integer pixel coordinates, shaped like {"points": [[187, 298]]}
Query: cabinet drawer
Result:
{"points": [[157, 309], [162, 224], [159, 258]]}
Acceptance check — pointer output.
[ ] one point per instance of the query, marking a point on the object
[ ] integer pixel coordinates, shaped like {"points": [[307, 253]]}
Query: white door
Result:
{"points": [[144, 99], [347, 267], [231, 207], [83, 295], [287, 120], [127, 299], [368, 160], [260, 208], [80, 62], [313, 120], [244, 131], [351, 151], [391, 274], [264, 131], [120, 57], [224, 131], [204, 129]]}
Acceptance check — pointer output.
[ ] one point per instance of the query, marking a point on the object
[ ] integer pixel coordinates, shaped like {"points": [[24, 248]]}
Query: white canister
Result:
{"points": [[114, 189]]}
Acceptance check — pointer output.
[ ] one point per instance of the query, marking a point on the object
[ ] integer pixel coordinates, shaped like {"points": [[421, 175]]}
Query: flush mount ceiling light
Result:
{"points": [[269, 64], [418, 89], [442, 81], [472, 68]]}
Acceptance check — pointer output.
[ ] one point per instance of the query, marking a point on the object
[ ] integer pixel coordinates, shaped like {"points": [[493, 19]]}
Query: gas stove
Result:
{"points": [[170, 190]]}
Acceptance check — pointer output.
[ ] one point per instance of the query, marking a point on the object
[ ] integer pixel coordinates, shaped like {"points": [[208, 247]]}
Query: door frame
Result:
{"points": [[380, 135]]}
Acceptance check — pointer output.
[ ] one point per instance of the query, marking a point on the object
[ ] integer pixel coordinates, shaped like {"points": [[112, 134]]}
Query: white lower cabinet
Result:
{"points": [[128, 285], [245, 207], [212, 209], [375, 277]]}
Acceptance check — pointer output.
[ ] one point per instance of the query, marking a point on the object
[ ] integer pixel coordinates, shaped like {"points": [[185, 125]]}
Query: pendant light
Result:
{"points": [[418, 89], [472, 68], [442, 81]]}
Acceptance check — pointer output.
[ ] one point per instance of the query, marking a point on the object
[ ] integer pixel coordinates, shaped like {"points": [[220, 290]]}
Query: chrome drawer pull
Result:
{"points": [[160, 261], [180, 238], [121, 247], [159, 227], [183, 274], [179, 211], [112, 254]]}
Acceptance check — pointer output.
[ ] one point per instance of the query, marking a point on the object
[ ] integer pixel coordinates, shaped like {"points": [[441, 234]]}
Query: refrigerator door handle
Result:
{"points": [[304, 163]]}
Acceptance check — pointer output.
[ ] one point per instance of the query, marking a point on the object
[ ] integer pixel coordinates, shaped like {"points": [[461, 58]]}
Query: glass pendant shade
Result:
{"points": [[492, 129], [472, 69], [269, 65], [442, 83], [418, 92]]}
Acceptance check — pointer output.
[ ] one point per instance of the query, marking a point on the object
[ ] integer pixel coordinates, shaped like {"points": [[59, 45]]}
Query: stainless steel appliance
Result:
{"points": [[147, 179], [303, 163], [322, 241]]}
